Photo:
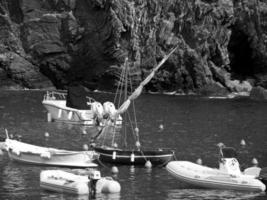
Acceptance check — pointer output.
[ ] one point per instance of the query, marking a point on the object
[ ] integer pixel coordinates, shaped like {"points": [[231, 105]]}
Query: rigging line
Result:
{"points": [[123, 81], [129, 117], [125, 98], [105, 134], [134, 111], [135, 135], [113, 134], [119, 85]]}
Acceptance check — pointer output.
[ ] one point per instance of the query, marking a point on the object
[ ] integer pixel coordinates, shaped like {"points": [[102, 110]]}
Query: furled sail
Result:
{"points": [[139, 89]]}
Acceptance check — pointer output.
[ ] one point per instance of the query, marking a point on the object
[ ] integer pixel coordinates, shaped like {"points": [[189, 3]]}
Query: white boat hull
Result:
{"points": [[59, 112], [65, 182], [31, 154], [206, 177]]}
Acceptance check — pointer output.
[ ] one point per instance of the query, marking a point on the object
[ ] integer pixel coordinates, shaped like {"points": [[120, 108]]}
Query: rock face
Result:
{"points": [[221, 43]]}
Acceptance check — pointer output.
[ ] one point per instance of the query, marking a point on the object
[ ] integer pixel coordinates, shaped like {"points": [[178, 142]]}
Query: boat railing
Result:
{"points": [[53, 95]]}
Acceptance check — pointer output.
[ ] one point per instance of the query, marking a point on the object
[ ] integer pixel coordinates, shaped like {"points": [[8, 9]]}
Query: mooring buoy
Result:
{"points": [[114, 170], [199, 161], [85, 147], [161, 127], [148, 164], [242, 142], [254, 162], [46, 134]]}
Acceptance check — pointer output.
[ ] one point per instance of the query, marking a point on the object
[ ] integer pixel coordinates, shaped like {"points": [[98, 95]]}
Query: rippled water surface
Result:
{"points": [[192, 127]]}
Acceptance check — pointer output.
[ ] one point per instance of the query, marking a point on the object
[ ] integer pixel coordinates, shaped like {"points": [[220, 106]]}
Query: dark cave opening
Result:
{"points": [[240, 54]]}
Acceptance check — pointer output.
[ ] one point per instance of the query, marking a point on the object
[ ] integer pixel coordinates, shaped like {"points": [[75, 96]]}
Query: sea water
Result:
{"points": [[190, 125]]}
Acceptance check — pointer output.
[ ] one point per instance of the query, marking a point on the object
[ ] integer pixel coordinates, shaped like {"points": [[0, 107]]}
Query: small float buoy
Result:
{"points": [[115, 145], [85, 147], [220, 145], [199, 161], [137, 144], [136, 129], [114, 170], [254, 162], [49, 117], [243, 143], [161, 127], [46, 134], [84, 132], [148, 164]]}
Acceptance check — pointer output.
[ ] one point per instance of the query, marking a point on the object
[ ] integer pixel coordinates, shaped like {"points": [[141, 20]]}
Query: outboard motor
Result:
{"points": [[263, 175], [93, 177]]}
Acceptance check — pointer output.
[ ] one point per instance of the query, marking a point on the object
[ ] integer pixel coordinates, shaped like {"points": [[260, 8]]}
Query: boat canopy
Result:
{"points": [[229, 152], [77, 98]]}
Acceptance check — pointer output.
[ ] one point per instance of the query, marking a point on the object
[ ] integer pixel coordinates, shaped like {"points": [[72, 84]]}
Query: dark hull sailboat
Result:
{"points": [[129, 155], [135, 157]]}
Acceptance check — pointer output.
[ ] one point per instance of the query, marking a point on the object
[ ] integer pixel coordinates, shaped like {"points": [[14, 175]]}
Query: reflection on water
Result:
{"points": [[196, 194], [192, 127]]}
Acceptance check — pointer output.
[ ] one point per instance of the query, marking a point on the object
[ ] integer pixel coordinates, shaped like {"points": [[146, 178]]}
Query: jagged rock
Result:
{"points": [[222, 43]]}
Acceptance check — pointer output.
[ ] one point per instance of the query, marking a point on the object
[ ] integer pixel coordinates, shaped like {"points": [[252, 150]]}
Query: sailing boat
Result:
{"points": [[134, 155]]}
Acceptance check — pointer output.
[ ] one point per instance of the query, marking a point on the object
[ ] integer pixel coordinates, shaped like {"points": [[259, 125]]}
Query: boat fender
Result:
{"points": [[70, 115], [59, 113], [49, 117], [114, 155], [132, 157], [46, 155]]}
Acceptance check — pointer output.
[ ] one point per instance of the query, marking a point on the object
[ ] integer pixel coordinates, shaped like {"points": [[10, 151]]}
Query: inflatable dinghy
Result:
{"points": [[228, 176], [65, 182]]}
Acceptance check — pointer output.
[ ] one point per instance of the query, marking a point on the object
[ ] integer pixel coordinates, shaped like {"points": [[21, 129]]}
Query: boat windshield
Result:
{"points": [[228, 152]]}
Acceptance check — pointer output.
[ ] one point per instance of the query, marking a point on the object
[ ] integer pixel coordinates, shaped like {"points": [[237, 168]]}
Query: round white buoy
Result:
{"points": [[199, 161], [46, 134], [84, 132], [220, 145], [255, 162], [115, 145], [85, 147], [49, 117], [114, 170], [242, 142], [137, 144], [136, 129], [161, 127], [148, 164]]}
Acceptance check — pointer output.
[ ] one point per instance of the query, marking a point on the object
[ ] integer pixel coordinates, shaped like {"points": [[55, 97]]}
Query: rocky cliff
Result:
{"points": [[53, 43]]}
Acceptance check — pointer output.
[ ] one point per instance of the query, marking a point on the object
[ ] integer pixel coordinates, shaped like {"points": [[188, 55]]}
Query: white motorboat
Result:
{"points": [[62, 181], [228, 176], [75, 107], [31, 154]]}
